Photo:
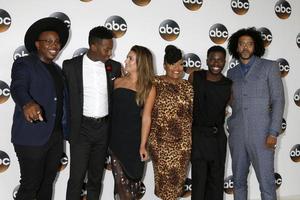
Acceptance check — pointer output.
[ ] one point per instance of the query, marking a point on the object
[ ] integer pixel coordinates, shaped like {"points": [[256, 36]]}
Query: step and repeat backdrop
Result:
{"points": [[193, 26]]}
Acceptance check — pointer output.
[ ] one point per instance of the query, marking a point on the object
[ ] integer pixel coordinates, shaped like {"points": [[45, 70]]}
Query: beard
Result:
{"points": [[245, 55]]}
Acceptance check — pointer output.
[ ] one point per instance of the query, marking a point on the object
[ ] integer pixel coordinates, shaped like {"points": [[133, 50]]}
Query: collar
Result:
{"points": [[90, 61], [250, 63]]}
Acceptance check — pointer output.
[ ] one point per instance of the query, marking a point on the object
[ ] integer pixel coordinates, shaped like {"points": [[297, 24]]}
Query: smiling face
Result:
{"points": [[215, 62], [48, 46], [174, 71]]}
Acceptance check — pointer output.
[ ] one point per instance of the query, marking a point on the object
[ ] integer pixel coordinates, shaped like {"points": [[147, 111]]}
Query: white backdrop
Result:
{"points": [[191, 34]]}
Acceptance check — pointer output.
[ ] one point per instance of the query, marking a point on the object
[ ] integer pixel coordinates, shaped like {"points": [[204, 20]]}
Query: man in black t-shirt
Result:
{"points": [[211, 95]]}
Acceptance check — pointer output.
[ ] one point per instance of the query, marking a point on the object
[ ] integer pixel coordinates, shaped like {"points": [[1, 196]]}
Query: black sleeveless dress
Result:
{"points": [[126, 132]]}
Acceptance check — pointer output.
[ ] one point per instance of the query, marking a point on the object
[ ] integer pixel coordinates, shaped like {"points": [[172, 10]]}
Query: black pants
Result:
{"points": [[38, 168], [208, 165], [88, 156], [207, 180]]}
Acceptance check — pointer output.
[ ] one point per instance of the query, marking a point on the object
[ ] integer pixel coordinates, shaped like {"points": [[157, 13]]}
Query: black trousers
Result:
{"points": [[38, 168], [208, 165], [207, 180], [88, 156]]}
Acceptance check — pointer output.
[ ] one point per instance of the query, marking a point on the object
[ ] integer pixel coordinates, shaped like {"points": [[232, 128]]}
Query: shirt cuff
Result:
{"points": [[273, 133]]}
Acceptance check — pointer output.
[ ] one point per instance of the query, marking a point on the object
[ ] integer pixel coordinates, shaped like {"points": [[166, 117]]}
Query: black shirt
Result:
{"points": [[210, 99]]}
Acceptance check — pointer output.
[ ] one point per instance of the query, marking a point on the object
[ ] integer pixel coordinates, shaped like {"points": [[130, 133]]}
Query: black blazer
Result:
{"points": [[31, 81], [72, 70]]}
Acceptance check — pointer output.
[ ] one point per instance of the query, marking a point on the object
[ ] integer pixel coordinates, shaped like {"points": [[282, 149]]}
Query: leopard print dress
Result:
{"points": [[169, 140]]}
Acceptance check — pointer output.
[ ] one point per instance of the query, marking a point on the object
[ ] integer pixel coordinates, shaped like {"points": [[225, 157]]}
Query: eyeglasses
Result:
{"points": [[246, 44], [51, 42]]}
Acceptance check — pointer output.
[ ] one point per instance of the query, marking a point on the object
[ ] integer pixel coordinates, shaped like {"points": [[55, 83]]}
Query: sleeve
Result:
{"points": [[276, 99], [20, 83]]}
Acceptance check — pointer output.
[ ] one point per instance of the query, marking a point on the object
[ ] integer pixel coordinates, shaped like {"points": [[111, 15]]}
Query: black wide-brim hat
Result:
{"points": [[46, 24]]}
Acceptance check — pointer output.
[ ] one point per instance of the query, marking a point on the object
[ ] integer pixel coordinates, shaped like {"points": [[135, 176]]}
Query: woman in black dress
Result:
{"points": [[133, 93]]}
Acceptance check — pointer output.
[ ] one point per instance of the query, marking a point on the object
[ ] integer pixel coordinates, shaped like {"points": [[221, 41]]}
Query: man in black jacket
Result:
{"points": [[90, 82], [39, 92]]}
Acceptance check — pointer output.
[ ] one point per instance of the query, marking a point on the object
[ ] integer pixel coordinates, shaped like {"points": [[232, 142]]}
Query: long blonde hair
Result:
{"points": [[145, 71]]}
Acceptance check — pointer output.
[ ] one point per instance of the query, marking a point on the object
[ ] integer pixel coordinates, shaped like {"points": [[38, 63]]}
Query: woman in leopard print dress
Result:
{"points": [[169, 140]]}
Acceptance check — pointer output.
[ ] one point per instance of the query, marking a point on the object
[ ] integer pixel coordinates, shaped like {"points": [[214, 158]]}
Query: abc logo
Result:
{"points": [[298, 40], [80, 52], [266, 35], [191, 60], [278, 180], [295, 153], [117, 25], [169, 30], [283, 125], [63, 17], [141, 2], [192, 5], [15, 191], [4, 161], [283, 66], [63, 162], [5, 20], [20, 52], [4, 92], [228, 185], [297, 97], [233, 63], [107, 163], [218, 33], [187, 191], [283, 9], [240, 7]]}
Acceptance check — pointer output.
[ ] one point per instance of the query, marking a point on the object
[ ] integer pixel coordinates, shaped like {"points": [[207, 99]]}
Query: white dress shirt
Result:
{"points": [[95, 97]]}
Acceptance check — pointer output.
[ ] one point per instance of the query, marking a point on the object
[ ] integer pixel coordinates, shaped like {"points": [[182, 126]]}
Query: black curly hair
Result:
{"points": [[259, 48], [172, 54]]}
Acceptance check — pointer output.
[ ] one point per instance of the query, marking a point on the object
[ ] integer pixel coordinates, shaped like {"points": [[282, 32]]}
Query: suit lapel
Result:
{"points": [[108, 70], [254, 69], [78, 69], [46, 74], [240, 71]]}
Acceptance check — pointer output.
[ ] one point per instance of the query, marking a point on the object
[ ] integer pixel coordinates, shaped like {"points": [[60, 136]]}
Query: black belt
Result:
{"points": [[98, 119], [209, 129]]}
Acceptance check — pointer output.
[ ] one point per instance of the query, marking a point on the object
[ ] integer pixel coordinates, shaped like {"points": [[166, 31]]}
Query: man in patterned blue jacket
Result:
{"points": [[257, 108]]}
